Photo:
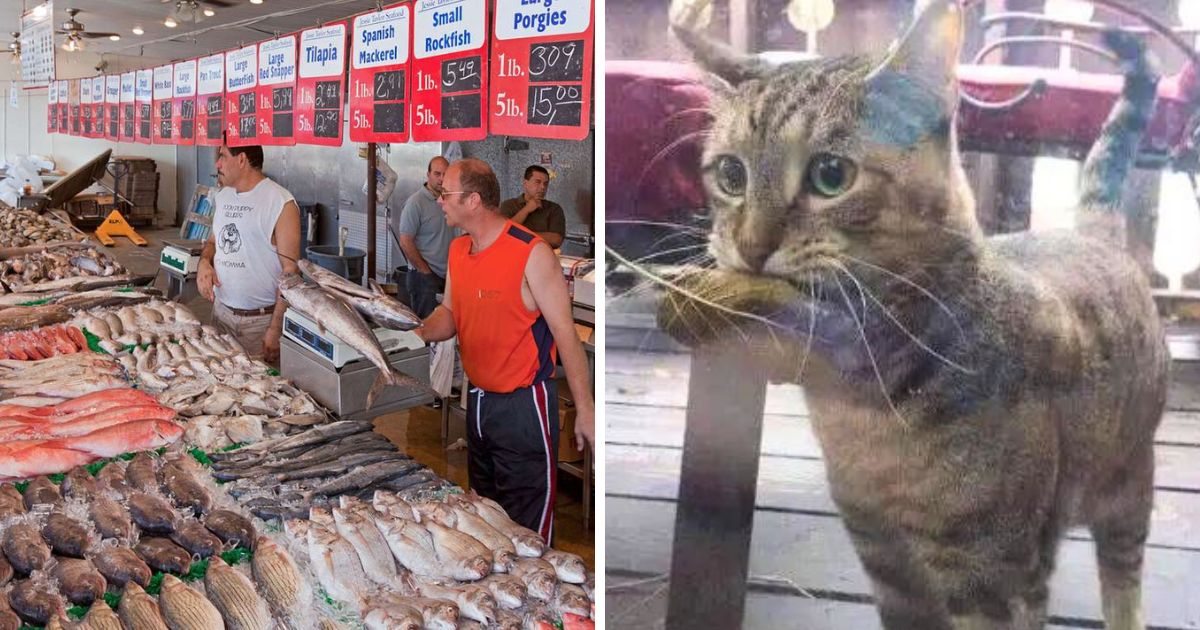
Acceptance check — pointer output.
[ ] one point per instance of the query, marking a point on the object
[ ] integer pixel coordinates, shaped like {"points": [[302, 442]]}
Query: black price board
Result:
{"points": [[75, 119], [461, 112], [281, 124], [246, 104], [164, 110], [460, 75], [164, 128], [389, 118], [329, 95], [389, 86], [128, 121], [214, 127], [247, 125], [144, 125], [114, 122], [214, 106], [187, 109], [555, 105], [281, 101], [100, 119], [556, 61], [187, 129], [327, 123]]}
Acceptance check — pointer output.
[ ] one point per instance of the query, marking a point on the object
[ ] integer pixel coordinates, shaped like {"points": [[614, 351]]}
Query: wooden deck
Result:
{"points": [[804, 573]]}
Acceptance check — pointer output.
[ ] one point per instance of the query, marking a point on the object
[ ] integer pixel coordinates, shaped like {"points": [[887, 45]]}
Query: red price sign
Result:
{"points": [[379, 75], [277, 91], [128, 107], [541, 75], [74, 94], [85, 108], [241, 80], [449, 67], [112, 105], [98, 113], [64, 108], [144, 100], [210, 100], [320, 85], [183, 109], [163, 105], [52, 108]]}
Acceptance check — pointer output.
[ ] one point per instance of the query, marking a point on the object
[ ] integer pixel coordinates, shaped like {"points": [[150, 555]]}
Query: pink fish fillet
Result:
{"points": [[127, 437], [30, 458]]}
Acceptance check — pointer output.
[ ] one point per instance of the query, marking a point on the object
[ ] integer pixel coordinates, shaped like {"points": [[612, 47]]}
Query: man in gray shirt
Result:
{"points": [[425, 239]]}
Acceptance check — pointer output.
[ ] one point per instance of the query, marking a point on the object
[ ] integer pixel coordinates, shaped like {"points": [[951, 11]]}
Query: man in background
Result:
{"points": [[425, 240], [532, 210]]}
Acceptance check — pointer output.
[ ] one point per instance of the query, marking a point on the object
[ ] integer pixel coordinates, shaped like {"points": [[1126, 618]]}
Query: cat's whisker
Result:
{"points": [[926, 292], [665, 151], [812, 325], [703, 112], [690, 261], [870, 355], [864, 291], [668, 224]]}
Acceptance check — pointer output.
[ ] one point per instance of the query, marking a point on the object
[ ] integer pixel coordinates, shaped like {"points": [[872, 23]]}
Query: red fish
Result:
{"points": [[30, 458], [140, 435], [83, 405], [28, 428]]}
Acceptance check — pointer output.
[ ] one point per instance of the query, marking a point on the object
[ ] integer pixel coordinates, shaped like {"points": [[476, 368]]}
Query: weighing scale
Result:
{"points": [[339, 377], [181, 259]]}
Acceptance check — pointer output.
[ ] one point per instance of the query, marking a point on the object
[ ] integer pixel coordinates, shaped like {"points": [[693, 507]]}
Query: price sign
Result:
{"points": [[210, 100], [112, 104], [541, 74], [183, 111], [74, 93], [52, 108], [241, 80], [144, 100], [64, 107], [128, 107], [98, 114], [163, 105], [449, 64], [84, 106], [320, 85], [277, 91], [379, 75]]}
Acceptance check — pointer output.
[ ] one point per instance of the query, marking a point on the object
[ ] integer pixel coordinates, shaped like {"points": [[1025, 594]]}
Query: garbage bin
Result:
{"points": [[349, 265]]}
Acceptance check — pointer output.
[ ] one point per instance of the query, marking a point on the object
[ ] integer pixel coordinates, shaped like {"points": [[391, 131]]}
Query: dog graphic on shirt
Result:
{"points": [[231, 240]]}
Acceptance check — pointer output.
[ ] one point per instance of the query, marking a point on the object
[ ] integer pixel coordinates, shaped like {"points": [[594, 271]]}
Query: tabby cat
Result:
{"points": [[974, 397]]}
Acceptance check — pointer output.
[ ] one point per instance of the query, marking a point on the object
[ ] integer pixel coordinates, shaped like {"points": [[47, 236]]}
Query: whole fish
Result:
{"points": [[185, 608], [373, 551], [568, 567], [42, 491], [24, 548], [122, 438], [236, 597], [80, 484], [440, 614], [538, 576], [389, 616], [112, 476], [11, 501], [193, 536], [412, 546], [504, 553], [509, 591], [526, 541], [139, 610], [338, 317], [35, 603], [100, 617], [110, 518], [231, 527], [121, 566], [342, 464], [474, 602], [336, 565], [364, 477], [8, 619], [315, 436], [383, 310], [280, 581], [22, 317], [79, 581], [151, 513], [66, 536], [570, 599], [183, 488], [141, 473], [163, 555], [6, 571], [331, 281], [466, 555]]}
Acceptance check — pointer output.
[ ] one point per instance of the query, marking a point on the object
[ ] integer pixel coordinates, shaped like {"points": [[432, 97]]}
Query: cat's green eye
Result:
{"points": [[731, 176], [830, 175]]}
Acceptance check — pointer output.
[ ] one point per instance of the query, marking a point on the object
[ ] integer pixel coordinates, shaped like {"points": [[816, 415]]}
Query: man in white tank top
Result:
{"points": [[255, 238]]}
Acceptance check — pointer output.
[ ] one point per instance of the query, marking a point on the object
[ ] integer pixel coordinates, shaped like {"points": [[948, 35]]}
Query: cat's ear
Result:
{"points": [[928, 52], [688, 17]]}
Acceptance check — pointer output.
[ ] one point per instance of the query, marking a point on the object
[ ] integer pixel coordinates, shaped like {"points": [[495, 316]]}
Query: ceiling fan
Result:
{"points": [[76, 33], [14, 47], [215, 3]]}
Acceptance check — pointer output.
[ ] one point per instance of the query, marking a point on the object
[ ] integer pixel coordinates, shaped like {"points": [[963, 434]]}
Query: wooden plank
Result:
{"points": [[671, 391], [800, 485], [791, 436], [814, 552]]}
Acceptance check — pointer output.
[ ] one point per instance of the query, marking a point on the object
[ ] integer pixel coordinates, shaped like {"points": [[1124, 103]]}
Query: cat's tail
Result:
{"points": [[1107, 166]]}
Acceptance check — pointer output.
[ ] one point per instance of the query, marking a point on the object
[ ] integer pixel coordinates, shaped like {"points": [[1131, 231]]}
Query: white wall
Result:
{"points": [[24, 127]]}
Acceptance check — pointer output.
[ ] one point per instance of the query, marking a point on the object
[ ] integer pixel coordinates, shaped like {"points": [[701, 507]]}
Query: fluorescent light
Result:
{"points": [[115, 38], [1069, 10], [170, 23], [137, 30], [256, 1], [209, 12]]}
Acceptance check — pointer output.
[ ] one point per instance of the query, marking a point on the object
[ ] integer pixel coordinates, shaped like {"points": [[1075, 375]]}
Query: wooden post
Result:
{"points": [[714, 519], [743, 26], [372, 182]]}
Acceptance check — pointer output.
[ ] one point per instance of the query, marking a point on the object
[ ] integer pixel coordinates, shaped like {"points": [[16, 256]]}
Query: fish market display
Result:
{"points": [[80, 300], [58, 378], [338, 317], [373, 304], [16, 318], [41, 343], [62, 267], [21, 227], [146, 323], [281, 478]]}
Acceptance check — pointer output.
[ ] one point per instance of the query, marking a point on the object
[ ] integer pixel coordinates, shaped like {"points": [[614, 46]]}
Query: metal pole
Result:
{"points": [[371, 207], [714, 519]]}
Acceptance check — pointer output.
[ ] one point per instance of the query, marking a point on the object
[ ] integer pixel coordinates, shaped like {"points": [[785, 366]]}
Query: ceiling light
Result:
{"points": [[256, 1], [137, 30], [39, 11], [170, 23], [209, 12], [1069, 10], [115, 38]]}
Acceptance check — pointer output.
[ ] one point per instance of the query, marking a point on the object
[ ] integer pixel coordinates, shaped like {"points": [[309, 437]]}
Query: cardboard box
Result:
{"points": [[567, 449]]}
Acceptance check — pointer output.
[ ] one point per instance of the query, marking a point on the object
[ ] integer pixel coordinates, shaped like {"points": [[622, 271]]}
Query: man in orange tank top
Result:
{"points": [[507, 301]]}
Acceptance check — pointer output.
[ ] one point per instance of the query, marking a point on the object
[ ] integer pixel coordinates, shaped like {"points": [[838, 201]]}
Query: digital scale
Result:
{"points": [[339, 377], [181, 259]]}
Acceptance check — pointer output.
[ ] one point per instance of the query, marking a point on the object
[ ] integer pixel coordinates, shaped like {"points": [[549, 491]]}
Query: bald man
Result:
{"points": [[425, 240]]}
